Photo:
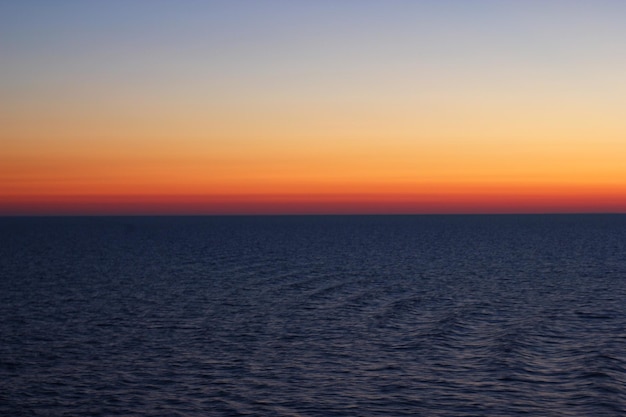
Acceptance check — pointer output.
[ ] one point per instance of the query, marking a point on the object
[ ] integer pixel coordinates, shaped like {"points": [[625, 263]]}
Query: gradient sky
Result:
{"points": [[325, 106]]}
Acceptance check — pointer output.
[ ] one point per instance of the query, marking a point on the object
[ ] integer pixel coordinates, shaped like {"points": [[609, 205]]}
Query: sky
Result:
{"points": [[325, 106]]}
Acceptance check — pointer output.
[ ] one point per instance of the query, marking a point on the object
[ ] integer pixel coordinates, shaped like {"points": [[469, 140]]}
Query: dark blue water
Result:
{"points": [[313, 316]]}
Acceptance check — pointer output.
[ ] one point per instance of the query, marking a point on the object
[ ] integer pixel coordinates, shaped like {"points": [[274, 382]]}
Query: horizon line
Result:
{"points": [[356, 214]]}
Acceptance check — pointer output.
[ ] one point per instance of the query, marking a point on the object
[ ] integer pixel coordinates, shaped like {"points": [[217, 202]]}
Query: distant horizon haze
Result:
{"points": [[312, 204]]}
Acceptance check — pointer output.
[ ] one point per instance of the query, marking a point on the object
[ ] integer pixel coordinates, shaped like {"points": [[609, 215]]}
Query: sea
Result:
{"points": [[426, 315]]}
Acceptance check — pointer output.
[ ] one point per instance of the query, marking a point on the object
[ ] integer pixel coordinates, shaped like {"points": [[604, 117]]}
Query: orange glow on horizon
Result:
{"points": [[276, 180], [447, 178]]}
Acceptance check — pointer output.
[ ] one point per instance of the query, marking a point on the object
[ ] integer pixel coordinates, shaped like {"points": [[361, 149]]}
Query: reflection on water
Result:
{"points": [[313, 316]]}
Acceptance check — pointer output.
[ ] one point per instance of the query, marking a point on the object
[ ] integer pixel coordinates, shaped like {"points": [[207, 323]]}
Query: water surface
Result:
{"points": [[313, 316]]}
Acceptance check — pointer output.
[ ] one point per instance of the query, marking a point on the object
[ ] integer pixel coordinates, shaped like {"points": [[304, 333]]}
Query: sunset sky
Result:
{"points": [[320, 106]]}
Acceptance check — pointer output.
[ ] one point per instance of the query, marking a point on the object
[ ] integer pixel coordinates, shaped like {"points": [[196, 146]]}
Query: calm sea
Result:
{"points": [[313, 316]]}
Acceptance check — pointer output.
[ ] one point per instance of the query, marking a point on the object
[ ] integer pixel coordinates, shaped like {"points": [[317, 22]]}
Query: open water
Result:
{"points": [[313, 316]]}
